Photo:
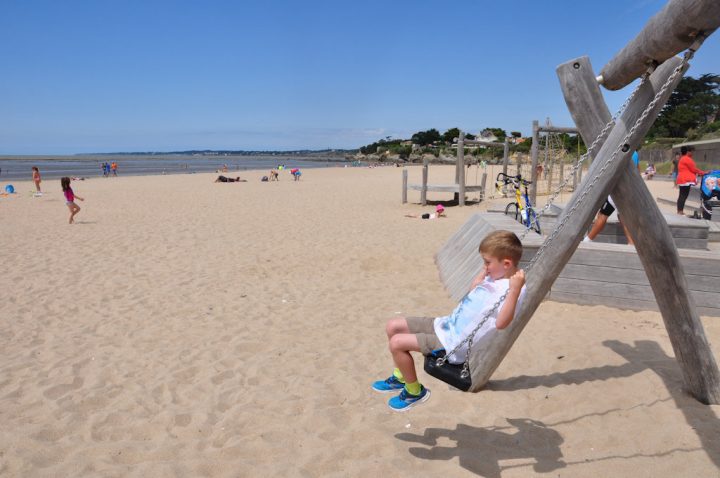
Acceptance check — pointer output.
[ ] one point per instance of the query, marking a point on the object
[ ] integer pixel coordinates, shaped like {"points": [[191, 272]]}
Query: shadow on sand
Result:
{"points": [[534, 443]]}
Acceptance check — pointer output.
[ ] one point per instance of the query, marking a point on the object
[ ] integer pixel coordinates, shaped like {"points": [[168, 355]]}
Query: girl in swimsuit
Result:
{"points": [[36, 179], [70, 198]]}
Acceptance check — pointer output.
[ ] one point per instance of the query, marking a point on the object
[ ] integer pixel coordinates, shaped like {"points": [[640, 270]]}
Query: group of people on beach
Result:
{"points": [[108, 168]]}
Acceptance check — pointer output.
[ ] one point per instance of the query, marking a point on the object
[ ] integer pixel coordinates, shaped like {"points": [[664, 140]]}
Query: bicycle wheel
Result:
{"points": [[513, 211], [535, 222]]}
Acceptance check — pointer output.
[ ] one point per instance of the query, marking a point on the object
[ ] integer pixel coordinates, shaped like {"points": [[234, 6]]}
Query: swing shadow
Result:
{"points": [[480, 449], [529, 442], [643, 355]]}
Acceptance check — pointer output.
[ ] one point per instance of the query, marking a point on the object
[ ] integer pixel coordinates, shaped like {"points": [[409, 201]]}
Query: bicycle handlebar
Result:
{"points": [[507, 179]]}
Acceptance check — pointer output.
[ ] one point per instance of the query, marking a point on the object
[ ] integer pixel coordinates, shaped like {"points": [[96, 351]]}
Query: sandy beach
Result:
{"points": [[189, 328]]}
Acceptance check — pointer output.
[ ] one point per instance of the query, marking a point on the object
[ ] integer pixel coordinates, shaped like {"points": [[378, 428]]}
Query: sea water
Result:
{"points": [[52, 167]]}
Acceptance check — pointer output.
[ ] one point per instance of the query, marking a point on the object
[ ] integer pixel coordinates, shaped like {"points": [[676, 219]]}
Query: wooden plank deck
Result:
{"points": [[597, 273], [447, 188], [688, 233]]}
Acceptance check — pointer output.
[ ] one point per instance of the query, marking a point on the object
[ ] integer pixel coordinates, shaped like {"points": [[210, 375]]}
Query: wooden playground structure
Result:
{"points": [[459, 188], [682, 25]]}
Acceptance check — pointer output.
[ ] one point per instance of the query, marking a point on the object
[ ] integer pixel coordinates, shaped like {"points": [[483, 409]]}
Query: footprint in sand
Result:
{"points": [[221, 377], [183, 420], [58, 391]]}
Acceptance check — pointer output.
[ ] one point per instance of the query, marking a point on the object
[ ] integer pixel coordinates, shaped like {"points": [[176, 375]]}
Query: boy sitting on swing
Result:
{"points": [[501, 252]]}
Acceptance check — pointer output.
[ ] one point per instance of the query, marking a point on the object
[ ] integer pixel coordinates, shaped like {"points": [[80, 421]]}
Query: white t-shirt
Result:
{"points": [[454, 328]]}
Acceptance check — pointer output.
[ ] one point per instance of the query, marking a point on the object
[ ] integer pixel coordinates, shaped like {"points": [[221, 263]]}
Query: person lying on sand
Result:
{"points": [[439, 212], [223, 179]]}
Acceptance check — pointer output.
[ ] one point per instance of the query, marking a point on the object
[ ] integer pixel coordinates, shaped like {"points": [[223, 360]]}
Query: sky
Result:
{"points": [[150, 75]]}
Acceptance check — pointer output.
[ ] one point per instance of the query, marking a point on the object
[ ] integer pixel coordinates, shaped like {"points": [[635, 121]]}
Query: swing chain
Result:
{"points": [[587, 154], [466, 369], [623, 146]]}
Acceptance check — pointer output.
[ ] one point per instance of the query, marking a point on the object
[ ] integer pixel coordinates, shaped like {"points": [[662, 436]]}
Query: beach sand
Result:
{"points": [[188, 328]]}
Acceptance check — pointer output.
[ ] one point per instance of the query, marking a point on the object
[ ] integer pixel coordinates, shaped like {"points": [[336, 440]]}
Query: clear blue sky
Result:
{"points": [[101, 76]]}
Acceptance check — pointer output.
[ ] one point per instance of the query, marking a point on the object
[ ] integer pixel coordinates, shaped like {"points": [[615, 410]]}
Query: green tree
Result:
{"points": [[424, 138], [451, 134], [694, 103]]}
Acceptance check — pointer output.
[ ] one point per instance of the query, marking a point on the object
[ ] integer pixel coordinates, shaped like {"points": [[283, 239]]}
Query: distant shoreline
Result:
{"points": [[18, 168]]}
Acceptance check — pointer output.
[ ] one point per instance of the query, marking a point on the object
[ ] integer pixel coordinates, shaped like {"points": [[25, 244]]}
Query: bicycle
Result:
{"points": [[522, 210]]}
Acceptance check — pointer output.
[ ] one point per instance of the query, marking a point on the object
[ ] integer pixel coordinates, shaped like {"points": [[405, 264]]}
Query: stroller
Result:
{"points": [[709, 189]]}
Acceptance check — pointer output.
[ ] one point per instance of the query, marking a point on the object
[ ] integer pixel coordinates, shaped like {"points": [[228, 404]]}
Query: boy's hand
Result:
{"points": [[517, 280], [479, 278]]}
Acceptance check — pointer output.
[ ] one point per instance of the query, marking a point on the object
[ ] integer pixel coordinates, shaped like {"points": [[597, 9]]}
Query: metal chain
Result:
{"points": [[579, 164], [465, 373], [622, 147]]}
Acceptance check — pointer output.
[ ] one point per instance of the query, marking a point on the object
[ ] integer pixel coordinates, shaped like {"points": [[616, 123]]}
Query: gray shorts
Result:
{"points": [[423, 329]]}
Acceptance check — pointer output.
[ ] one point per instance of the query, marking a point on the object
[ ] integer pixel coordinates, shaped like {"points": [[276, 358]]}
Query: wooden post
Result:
{"points": [[506, 154], [461, 169], [404, 187], [423, 189], [576, 175], [534, 163], [654, 243], [583, 205], [673, 29], [562, 174], [483, 183]]}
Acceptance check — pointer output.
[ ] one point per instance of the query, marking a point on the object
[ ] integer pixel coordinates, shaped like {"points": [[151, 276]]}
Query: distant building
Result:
{"points": [[487, 135], [707, 151]]}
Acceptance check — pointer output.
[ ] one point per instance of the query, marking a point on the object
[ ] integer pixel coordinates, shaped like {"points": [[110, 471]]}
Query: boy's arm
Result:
{"points": [[479, 278], [507, 312]]}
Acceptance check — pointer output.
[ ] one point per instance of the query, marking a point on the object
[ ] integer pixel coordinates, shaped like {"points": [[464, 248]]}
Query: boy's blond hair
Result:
{"points": [[502, 245]]}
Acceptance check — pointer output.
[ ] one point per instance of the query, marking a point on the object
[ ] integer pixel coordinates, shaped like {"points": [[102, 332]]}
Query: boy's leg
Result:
{"points": [[396, 325], [396, 381], [400, 347]]}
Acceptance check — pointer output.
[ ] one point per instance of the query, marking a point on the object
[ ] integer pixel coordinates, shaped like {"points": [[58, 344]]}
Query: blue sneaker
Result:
{"points": [[405, 401], [391, 384]]}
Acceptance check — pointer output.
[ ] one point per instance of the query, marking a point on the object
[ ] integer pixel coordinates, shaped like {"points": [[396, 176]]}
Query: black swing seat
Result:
{"points": [[447, 372]]}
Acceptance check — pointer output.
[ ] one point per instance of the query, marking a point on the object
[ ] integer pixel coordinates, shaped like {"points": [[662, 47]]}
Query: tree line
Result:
{"points": [[690, 114]]}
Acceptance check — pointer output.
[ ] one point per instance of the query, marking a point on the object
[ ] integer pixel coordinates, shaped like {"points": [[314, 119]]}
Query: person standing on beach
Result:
{"points": [[687, 176], [606, 211], [113, 166], [70, 198], [37, 180]]}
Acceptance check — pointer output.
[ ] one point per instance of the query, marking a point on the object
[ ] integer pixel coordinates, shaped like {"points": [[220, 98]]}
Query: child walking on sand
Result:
{"points": [[501, 252], [70, 198]]}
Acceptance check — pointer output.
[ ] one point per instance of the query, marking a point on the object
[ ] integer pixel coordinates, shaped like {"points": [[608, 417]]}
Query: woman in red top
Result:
{"points": [[687, 176]]}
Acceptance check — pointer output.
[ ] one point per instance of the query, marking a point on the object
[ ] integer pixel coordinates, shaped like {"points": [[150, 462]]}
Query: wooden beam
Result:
{"points": [[654, 243], [577, 217], [556, 129], [461, 169], [506, 154], [480, 142], [405, 185], [423, 191], [672, 30], [534, 148]]}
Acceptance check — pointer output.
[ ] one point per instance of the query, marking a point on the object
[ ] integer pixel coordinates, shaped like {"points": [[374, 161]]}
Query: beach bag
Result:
{"points": [[710, 183], [447, 372], [264, 179]]}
